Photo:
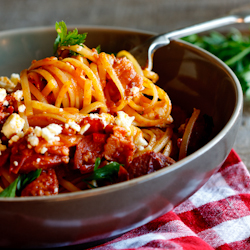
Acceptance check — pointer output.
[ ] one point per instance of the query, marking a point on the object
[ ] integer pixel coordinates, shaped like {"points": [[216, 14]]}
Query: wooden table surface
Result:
{"points": [[150, 15]]}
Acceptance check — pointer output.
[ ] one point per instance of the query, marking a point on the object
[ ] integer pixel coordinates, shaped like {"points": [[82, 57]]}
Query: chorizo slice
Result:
{"points": [[45, 184], [147, 163]]}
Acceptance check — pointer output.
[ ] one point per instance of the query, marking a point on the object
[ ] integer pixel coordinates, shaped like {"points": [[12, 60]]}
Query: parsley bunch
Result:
{"points": [[232, 48]]}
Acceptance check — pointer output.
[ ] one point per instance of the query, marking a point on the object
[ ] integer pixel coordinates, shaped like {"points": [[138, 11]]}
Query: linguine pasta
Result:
{"points": [[72, 110]]}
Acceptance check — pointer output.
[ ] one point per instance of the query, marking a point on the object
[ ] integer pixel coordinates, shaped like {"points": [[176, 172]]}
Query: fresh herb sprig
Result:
{"points": [[233, 48], [107, 172], [16, 187], [65, 37]]}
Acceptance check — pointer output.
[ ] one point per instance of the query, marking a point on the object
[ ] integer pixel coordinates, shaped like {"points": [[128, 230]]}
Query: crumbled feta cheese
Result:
{"points": [[14, 138], [7, 84], [38, 160], [124, 120], [43, 150], [140, 142], [38, 131], [74, 125], [13, 125], [18, 95], [55, 128], [3, 94], [33, 140], [15, 163], [105, 118], [49, 133], [84, 128], [15, 78], [21, 108], [5, 103]]}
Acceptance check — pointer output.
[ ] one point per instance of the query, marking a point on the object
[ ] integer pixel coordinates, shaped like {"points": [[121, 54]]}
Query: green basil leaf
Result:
{"points": [[105, 173], [25, 179], [10, 191], [16, 187], [98, 48]]}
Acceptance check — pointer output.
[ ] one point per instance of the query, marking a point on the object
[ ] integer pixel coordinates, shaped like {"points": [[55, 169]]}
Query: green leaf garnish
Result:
{"points": [[65, 37], [233, 48], [10, 191], [105, 173], [98, 48], [25, 179], [16, 187]]}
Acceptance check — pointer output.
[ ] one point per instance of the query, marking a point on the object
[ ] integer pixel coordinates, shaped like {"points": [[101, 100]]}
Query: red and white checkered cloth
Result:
{"points": [[217, 217]]}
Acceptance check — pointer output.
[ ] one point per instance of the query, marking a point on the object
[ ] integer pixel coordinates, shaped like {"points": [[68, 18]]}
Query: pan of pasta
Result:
{"points": [[93, 144]]}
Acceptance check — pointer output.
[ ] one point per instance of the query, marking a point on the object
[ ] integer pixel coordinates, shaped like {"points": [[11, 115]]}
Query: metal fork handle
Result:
{"points": [[164, 39]]}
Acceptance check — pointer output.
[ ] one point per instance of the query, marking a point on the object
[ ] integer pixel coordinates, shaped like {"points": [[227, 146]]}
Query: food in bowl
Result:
{"points": [[191, 77], [85, 119]]}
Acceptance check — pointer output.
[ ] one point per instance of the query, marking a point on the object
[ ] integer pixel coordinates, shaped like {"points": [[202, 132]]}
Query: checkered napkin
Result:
{"points": [[217, 217]]}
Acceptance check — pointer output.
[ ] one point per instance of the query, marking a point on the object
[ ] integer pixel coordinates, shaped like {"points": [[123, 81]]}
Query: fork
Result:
{"points": [[144, 52]]}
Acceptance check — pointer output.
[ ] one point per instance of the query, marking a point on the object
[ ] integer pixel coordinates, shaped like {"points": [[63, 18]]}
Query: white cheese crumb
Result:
{"points": [[14, 138], [43, 150], [21, 108], [5, 103], [124, 120], [55, 128], [74, 125], [38, 131], [15, 78], [49, 133], [33, 140], [105, 118], [18, 95], [15, 163], [140, 142], [7, 84], [38, 160], [3, 94], [13, 125]]}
